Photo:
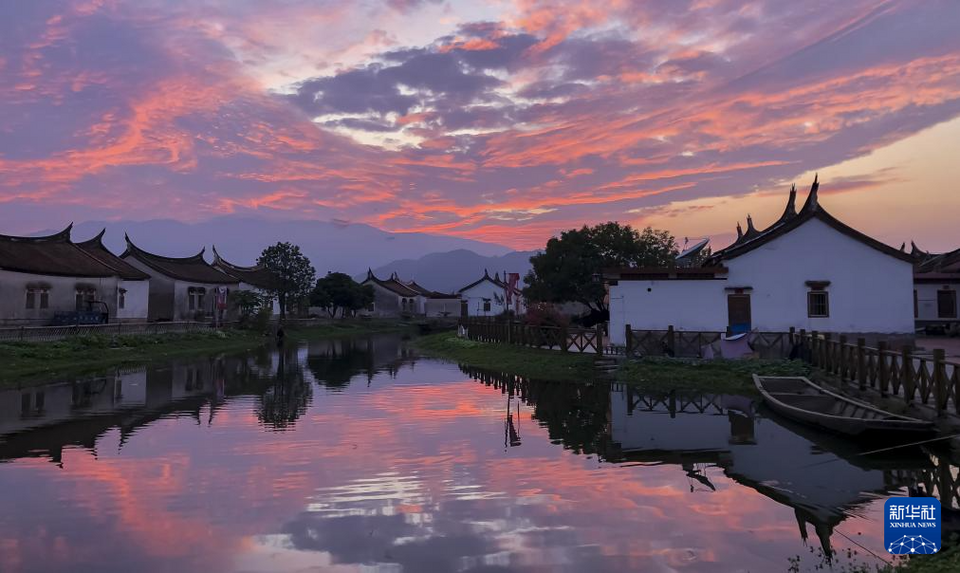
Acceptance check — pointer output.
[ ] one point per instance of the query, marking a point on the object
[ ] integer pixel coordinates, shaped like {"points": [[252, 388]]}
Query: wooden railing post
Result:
{"points": [[815, 349], [939, 380], [827, 352], [882, 370], [563, 339], [671, 340], [599, 339], [628, 339], [803, 344], [861, 363], [906, 375], [842, 357]]}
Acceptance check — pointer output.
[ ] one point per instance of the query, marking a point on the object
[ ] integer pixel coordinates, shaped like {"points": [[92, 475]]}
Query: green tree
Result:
{"points": [[247, 303], [337, 291], [293, 272], [569, 268]]}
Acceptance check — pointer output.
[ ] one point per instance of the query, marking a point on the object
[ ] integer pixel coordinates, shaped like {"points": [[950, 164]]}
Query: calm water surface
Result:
{"points": [[355, 455]]}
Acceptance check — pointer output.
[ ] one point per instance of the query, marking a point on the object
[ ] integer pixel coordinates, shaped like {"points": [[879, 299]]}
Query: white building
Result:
{"points": [[392, 298], [437, 304], [181, 288], [133, 286], [255, 278], [43, 276], [808, 270], [489, 296], [936, 280]]}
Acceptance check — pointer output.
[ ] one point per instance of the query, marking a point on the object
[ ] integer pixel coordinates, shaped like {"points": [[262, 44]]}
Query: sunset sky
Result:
{"points": [[500, 120]]}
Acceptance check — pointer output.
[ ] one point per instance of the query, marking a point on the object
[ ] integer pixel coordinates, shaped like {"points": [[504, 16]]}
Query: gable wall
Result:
{"points": [[869, 291]]}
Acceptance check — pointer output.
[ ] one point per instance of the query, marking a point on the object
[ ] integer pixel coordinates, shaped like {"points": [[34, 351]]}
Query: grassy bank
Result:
{"points": [[25, 363], [529, 362], [655, 374], [719, 376]]}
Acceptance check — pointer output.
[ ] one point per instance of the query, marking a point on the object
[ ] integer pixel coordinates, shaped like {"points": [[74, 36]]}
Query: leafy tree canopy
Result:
{"points": [[569, 268], [337, 291], [293, 271]]}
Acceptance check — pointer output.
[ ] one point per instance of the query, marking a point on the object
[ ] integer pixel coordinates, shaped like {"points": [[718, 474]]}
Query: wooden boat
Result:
{"points": [[800, 399]]}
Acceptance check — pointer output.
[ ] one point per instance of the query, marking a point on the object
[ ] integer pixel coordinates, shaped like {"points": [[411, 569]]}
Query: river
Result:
{"points": [[358, 455]]}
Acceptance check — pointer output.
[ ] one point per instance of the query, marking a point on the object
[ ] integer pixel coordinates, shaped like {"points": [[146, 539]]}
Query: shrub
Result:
{"points": [[545, 314]]}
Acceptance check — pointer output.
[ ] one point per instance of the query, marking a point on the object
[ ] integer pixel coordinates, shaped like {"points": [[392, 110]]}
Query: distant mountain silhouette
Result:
{"points": [[451, 271], [331, 246]]}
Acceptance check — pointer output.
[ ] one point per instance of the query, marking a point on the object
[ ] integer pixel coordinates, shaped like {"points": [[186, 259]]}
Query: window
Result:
{"points": [[84, 295], [818, 304], [121, 298], [486, 305], [44, 298], [31, 298], [195, 298], [946, 303], [371, 307]]}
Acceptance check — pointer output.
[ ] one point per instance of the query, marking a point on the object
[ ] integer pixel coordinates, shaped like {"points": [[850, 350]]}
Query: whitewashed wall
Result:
{"points": [[136, 302], [62, 296], [438, 306], [869, 292], [927, 299], [486, 289], [388, 304], [655, 305]]}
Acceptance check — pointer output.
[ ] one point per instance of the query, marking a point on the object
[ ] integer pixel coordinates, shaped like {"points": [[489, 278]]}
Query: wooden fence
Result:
{"points": [[928, 379], [52, 333], [566, 339], [692, 344]]}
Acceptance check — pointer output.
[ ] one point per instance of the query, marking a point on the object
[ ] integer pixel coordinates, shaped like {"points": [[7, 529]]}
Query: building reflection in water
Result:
{"points": [[824, 478], [41, 421], [354, 451]]}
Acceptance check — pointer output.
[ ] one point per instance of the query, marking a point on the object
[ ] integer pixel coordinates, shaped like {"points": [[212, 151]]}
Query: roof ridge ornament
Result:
{"points": [[739, 231], [790, 210], [812, 202]]}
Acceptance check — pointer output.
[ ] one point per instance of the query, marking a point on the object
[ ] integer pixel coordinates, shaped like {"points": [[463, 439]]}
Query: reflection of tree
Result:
{"points": [[574, 414], [287, 398], [334, 363], [341, 362]]}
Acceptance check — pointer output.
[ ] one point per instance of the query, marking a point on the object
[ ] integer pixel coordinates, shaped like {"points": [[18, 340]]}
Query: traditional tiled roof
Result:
{"points": [[96, 249], [192, 269], [789, 221], [495, 280], [256, 275], [52, 255], [392, 284], [430, 293]]}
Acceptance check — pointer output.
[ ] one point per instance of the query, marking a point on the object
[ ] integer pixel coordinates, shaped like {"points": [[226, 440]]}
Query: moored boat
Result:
{"points": [[798, 398]]}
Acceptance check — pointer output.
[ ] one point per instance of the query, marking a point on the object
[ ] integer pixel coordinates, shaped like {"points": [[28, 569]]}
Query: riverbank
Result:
{"points": [[507, 358], [26, 363], [655, 374]]}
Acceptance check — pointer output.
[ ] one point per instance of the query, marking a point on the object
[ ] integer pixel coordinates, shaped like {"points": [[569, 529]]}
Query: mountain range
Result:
{"points": [[453, 270], [331, 246]]}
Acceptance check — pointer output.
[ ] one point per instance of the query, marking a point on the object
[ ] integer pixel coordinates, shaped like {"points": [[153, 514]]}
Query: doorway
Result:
{"points": [[738, 313]]}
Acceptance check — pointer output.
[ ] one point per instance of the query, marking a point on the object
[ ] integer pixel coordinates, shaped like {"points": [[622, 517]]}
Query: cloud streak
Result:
{"points": [[505, 126]]}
